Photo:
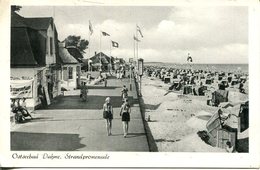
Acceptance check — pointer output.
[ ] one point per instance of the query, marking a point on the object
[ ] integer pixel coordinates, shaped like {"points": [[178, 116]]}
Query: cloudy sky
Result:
{"points": [[210, 34]]}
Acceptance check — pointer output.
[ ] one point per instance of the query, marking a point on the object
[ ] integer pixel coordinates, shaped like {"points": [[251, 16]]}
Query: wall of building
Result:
{"points": [[32, 73], [67, 83]]}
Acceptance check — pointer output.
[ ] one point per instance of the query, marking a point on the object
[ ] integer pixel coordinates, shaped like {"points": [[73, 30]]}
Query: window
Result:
{"points": [[51, 45], [70, 72]]}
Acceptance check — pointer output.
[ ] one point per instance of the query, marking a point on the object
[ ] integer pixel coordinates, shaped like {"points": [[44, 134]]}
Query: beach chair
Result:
{"points": [[243, 117], [208, 81], [223, 136], [219, 131], [234, 82], [229, 79], [187, 89], [219, 96]]}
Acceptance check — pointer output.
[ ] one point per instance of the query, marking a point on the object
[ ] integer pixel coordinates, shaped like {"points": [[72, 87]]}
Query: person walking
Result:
{"points": [[108, 115], [84, 92], [125, 113], [124, 92], [41, 96]]}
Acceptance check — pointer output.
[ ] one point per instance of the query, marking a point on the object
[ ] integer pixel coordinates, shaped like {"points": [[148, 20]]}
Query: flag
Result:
{"points": [[136, 39], [189, 59], [105, 34], [115, 44], [90, 28], [139, 30]]}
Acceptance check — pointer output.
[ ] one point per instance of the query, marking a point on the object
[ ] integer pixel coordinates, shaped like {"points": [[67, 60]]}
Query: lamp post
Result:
{"points": [[130, 63], [140, 72]]}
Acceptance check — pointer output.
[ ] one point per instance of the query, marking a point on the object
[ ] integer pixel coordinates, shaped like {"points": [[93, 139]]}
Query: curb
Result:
{"points": [[151, 142]]}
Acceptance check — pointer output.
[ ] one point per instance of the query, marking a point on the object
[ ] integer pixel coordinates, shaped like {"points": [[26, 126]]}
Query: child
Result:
{"points": [[229, 148]]}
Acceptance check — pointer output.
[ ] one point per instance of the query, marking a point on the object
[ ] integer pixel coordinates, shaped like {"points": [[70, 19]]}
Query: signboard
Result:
{"points": [[131, 60], [21, 88], [140, 66]]}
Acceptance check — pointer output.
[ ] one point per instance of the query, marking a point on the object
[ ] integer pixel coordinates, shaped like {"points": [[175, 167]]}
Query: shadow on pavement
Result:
{"points": [[102, 87], [152, 107], [21, 141], [132, 135], [93, 102]]}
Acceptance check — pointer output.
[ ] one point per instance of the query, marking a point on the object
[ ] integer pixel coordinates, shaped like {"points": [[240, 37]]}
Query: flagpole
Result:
{"points": [[110, 56], [100, 51], [136, 43], [89, 69], [134, 48]]}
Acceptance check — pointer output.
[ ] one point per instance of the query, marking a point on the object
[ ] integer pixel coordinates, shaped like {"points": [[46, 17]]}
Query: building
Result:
{"points": [[101, 59], [71, 67], [34, 56]]}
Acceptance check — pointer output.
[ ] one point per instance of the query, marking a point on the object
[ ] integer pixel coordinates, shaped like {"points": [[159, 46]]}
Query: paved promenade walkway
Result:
{"points": [[72, 125]]}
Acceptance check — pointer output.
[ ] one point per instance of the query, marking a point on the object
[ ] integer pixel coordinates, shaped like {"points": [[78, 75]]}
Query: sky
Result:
{"points": [[211, 34]]}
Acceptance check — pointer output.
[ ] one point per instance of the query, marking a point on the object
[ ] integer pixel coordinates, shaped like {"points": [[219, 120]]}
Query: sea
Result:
{"points": [[234, 68]]}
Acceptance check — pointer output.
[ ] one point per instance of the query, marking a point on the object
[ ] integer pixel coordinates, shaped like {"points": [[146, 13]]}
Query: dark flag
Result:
{"points": [[136, 39], [139, 30], [105, 34], [115, 44], [189, 59]]}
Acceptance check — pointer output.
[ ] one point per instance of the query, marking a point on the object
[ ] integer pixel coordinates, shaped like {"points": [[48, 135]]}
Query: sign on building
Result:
{"points": [[21, 88]]}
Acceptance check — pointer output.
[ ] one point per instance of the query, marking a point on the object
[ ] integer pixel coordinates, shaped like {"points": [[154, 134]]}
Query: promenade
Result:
{"points": [[72, 125]]}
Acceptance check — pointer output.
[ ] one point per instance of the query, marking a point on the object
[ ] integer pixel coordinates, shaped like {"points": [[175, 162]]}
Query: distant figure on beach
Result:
{"points": [[108, 115], [241, 88], [105, 82], [125, 113], [124, 92], [189, 59]]}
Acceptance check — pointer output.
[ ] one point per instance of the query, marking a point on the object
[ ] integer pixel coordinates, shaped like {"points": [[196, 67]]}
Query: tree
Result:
{"points": [[15, 8], [76, 41]]}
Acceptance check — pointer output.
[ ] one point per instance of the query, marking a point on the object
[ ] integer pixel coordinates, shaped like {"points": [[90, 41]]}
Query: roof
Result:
{"points": [[74, 51], [17, 20], [26, 43], [28, 40], [104, 58], [66, 57], [41, 23]]}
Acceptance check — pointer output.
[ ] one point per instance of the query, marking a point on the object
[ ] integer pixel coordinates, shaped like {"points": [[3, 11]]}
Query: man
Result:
{"points": [[124, 92], [41, 96]]}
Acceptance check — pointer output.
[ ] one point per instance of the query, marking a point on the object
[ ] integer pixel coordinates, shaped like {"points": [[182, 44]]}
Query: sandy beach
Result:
{"points": [[176, 119]]}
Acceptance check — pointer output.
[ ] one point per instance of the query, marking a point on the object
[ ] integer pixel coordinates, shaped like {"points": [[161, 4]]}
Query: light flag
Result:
{"points": [[115, 44], [90, 28], [139, 30], [136, 39], [105, 34]]}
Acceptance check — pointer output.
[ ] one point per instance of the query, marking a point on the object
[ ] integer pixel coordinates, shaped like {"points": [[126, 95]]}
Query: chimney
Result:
{"points": [[62, 44], [95, 53]]}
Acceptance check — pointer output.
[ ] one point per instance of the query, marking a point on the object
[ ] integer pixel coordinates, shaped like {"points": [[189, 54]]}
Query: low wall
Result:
{"points": [[151, 142]]}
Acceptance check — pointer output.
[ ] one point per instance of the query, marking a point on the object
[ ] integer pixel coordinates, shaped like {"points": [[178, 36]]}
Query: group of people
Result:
{"points": [[18, 107], [124, 112], [197, 79], [120, 73]]}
